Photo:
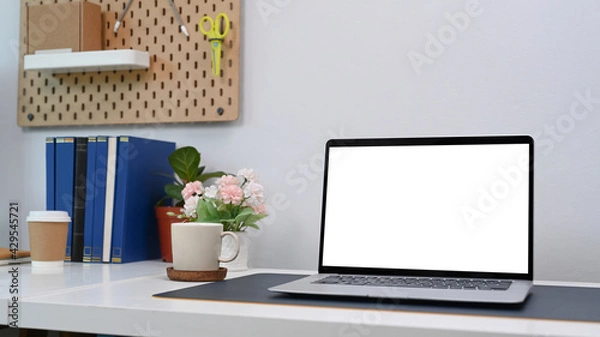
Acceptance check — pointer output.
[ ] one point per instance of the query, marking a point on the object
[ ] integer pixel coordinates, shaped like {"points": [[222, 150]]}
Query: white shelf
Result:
{"points": [[88, 61]]}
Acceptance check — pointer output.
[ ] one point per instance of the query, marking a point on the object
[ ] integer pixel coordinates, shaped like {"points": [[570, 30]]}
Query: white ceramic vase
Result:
{"points": [[241, 262]]}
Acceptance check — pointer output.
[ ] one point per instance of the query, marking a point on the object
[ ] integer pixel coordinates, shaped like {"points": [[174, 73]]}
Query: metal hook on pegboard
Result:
{"points": [[181, 25]]}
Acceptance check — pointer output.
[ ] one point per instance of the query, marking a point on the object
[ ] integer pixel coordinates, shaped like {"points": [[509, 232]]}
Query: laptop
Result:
{"points": [[430, 218]]}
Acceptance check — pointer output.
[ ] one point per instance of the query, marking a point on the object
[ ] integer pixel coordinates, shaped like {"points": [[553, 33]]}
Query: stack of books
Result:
{"points": [[109, 186]]}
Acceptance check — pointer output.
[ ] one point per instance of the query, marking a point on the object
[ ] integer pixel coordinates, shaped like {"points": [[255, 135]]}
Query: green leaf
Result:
{"points": [[173, 191], [161, 202], [252, 225], [185, 162], [223, 207], [254, 218], [206, 176], [170, 176], [211, 209], [204, 215], [243, 215], [200, 170], [201, 211], [228, 226]]}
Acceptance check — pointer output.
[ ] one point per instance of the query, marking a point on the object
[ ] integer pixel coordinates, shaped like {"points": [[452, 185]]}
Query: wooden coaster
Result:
{"points": [[196, 276]]}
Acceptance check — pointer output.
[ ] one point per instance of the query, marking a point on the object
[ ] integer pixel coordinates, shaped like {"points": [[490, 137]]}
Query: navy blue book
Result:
{"points": [[138, 186], [81, 145], [101, 160], [50, 183], [90, 195], [65, 182]]}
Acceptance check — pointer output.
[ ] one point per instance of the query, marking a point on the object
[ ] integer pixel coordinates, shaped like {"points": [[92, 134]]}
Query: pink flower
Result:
{"points": [[260, 209], [192, 189], [228, 180], [232, 194]]}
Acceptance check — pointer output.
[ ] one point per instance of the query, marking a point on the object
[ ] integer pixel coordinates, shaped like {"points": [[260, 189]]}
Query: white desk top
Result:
{"points": [[117, 299]]}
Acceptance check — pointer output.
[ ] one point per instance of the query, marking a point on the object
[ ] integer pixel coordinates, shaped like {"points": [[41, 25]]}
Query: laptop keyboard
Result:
{"points": [[416, 282]]}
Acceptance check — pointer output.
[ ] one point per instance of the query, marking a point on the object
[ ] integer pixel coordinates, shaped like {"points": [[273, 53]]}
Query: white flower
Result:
{"points": [[254, 193], [254, 190], [248, 174], [211, 192], [190, 206]]}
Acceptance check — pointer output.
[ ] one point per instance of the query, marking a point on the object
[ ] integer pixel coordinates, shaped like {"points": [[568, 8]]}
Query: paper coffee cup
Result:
{"points": [[48, 238]]}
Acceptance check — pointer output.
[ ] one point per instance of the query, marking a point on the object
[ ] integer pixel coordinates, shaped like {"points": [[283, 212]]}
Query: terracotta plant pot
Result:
{"points": [[164, 229]]}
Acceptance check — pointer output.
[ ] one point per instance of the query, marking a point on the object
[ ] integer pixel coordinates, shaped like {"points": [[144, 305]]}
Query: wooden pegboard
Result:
{"points": [[177, 88]]}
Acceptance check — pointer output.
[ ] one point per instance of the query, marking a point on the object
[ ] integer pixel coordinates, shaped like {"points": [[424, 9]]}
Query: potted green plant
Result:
{"points": [[185, 162]]}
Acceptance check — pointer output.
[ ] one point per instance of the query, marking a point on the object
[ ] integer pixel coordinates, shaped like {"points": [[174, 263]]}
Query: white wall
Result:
{"points": [[11, 137], [341, 68]]}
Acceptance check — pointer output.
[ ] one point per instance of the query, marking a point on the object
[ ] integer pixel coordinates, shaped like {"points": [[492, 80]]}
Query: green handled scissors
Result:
{"points": [[215, 37]]}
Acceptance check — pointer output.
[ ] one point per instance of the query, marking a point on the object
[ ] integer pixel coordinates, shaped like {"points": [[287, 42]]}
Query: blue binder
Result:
{"points": [[138, 186], [90, 195], [50, 169], [64, 180]]}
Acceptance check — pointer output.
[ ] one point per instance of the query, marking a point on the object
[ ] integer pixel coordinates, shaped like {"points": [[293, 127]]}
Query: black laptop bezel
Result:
{"points": [[445, 140]]}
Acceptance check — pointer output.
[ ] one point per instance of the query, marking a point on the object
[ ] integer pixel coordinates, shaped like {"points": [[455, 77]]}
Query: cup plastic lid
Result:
{"points": [[48, 216]]}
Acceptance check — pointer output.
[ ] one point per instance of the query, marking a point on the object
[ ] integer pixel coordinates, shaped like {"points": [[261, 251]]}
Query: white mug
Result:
{"points": [[197, 246]]}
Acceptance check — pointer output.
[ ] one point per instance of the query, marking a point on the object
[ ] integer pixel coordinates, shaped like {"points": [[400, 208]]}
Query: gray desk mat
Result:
{"points": [[544, 302]]}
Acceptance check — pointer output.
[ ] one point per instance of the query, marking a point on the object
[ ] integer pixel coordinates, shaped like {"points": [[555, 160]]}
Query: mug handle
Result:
{"points": [[237, 247]]}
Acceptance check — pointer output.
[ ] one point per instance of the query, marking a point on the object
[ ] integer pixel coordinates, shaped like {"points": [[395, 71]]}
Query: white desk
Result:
{"points": [[117, 299]]}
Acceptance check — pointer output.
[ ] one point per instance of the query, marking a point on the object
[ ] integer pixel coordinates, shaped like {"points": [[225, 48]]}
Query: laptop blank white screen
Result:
{"points": [[426, 207]]}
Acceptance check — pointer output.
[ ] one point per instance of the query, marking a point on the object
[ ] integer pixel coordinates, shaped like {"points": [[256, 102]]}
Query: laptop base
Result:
{"points": [[517, 293]]}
